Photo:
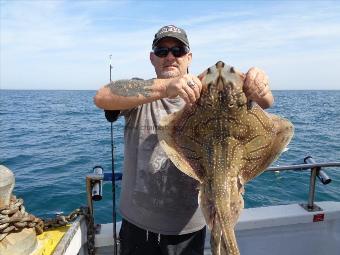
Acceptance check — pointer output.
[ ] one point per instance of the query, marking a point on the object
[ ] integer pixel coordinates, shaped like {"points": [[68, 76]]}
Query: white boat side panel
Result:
{"points": [[273, 230], [287, 229], [312, 239], [284, 215], [74, 239]]}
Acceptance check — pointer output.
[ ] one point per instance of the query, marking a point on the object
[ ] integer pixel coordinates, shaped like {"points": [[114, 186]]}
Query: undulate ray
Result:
{"points": [[223, 143]]}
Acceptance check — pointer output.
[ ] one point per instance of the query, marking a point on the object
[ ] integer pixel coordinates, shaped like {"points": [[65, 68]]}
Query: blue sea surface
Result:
{"points": [[52, 139]]}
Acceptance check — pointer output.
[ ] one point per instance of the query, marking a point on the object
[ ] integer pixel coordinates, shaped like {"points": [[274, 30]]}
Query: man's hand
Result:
{"points": [[188, 87], [256, 87]]}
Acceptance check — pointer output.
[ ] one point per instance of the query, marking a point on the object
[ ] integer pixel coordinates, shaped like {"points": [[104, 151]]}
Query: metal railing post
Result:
{"points": [[311, 196]]}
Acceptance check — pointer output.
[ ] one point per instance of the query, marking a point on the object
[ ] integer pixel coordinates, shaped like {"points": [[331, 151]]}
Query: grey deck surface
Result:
{"points": [[104, 250]]}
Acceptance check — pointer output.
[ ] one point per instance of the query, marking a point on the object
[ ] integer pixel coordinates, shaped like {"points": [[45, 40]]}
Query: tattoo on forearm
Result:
{"points": [[130, 88]]}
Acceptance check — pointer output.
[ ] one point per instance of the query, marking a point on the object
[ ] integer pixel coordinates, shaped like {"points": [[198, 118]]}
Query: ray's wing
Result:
{"points": [[177, 135], [271, 136]]}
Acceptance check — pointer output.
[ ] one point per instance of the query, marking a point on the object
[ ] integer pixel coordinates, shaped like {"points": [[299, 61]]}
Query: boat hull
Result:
{"points": [[279, 230]]}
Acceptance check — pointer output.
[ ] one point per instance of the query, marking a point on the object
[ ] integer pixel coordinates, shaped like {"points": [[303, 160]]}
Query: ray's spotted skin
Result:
{"points": [[223, 141]]}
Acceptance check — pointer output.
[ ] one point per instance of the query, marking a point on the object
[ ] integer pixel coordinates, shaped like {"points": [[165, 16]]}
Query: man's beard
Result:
{"points": [[170, 74]]}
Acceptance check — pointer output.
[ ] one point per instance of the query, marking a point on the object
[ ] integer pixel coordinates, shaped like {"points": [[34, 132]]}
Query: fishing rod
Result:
{"points": [[112, 116], [110, 57]]}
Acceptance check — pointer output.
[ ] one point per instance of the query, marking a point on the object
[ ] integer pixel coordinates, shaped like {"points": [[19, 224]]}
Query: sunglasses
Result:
{"points": [[177, 51]]}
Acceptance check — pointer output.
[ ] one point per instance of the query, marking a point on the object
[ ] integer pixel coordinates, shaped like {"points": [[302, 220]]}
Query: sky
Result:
{"points": [[66, 44]]}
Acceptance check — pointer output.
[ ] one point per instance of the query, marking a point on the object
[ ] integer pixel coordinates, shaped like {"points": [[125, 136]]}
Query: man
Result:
{"points": [[158, 203]]}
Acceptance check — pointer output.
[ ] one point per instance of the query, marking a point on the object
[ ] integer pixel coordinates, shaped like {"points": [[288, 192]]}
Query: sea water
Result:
{"points": [[52, 139]]}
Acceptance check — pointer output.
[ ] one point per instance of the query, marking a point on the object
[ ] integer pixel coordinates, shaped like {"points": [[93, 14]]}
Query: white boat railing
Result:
{"points": [[94, 180], [316, 171]]}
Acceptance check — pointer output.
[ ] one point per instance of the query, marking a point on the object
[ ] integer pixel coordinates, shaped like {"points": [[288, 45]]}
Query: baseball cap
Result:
{"points": [[172, 32]]}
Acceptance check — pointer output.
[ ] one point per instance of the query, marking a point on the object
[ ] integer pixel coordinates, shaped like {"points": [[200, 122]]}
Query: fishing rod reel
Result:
{"points": [[111, 115]]}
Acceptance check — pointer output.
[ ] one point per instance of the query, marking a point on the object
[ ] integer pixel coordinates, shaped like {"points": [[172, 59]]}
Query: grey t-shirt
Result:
{"points": [[155, 195]]}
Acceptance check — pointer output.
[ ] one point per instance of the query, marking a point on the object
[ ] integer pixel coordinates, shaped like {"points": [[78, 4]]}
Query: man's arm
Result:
{"points": [[126, 94], [256, 88]]}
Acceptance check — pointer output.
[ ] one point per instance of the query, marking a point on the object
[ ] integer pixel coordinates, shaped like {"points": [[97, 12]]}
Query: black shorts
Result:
{"points": [[137, 241]]}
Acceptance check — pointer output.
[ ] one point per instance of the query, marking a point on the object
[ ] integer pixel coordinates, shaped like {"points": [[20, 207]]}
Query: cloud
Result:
{"points": [[39, 26]]}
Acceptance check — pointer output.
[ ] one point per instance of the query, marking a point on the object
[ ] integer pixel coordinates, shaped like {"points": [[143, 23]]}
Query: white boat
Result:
{"points": [[311, 229]]}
